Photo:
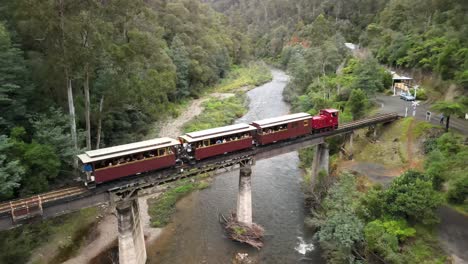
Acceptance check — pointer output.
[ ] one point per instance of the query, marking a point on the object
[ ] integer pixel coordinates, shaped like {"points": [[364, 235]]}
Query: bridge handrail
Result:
{"points": [[59, 194]]}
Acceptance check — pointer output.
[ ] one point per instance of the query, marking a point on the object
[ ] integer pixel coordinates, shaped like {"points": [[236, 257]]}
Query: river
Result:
{"points": [[195, 236]]}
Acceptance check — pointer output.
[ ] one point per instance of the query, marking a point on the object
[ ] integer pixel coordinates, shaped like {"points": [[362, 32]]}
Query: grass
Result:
{"points": [[254, 74], [67, 232], [218, 112], [162, 208], [388, 151], [423, 248], [461, 208]]}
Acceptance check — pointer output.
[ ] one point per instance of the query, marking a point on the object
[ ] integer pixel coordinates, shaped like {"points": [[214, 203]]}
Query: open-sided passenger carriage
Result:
{"points": [[211, 142], [281, 128], [107, 164]]}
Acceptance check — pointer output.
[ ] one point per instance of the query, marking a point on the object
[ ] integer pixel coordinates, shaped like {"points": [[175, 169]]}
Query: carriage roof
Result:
{"points": [[281, 120], [330, 110], [127, 149], [217, 132]]}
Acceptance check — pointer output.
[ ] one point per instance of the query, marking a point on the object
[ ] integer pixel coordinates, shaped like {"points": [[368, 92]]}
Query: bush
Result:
{"points": [[420, 95], [458, 191], [358, 103], [412, 196], [380, 241]]}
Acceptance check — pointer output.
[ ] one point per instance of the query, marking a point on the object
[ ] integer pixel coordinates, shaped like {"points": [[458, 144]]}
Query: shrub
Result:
{"points": [[458, 190], [420, 94], [412, 196]]}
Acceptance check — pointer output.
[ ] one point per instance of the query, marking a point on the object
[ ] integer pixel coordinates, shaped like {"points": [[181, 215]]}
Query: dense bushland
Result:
{"points": [[78, 75]]}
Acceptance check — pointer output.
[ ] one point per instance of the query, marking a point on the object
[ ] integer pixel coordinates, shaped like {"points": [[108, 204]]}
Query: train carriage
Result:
{"points": [[111, 163], [216, 141], [281, 128]]}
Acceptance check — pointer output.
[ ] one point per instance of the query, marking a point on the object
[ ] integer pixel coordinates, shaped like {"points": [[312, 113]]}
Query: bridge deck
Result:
{"points": [[122, 187]]}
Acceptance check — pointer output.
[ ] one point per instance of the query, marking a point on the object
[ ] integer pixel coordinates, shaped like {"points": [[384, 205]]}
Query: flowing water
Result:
{"points": [[195, 236]]}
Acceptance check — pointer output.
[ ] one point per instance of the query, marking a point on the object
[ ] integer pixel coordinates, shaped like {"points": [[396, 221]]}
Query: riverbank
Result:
{"points": [[238, 82]]}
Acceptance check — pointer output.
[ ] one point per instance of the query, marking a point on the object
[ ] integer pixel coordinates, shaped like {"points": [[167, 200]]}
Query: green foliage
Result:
{"points": [[448, 151], [40, 162], [254, 74], [218, 112], [372, 204], [162, 207], [412, 196], [404, 36], [370, 76], [340, 227], [239, 230], [458, 191], [306, 156], [52, 128], [381, 241], [14, 86], [421, 94], [447, 108], [423, 248], [358, 103], [68, 232], [140, 58], [11, 172]]}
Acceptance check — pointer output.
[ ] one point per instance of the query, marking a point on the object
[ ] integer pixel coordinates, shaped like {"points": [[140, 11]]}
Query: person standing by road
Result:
{"points": [[428, 116], [442, 119]]}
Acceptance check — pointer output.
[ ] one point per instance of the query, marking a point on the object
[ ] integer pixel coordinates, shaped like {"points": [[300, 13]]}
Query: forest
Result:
{"points": [[78, 75], [356, 223], [81, 75]]}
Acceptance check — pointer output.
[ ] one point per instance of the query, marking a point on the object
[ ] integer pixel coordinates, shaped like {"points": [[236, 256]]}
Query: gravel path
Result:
{"points": [[107, 234]]}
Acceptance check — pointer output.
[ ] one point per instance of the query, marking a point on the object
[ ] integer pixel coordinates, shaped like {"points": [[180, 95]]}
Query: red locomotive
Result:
{"points": [[116, 162]]}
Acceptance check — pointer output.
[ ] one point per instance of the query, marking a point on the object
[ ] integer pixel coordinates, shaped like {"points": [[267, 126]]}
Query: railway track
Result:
{"points": [[31, 206], [28, 205]]}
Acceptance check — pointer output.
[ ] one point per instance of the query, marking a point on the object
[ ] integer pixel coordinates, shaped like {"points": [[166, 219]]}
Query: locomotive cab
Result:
{"points": [[331, 117]]}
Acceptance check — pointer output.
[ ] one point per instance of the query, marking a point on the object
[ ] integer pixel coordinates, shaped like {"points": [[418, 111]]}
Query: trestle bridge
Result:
{"points": [[123, 192]]}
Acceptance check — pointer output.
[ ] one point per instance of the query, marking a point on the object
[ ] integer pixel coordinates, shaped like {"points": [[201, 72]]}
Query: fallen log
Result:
{"points": [[237, 231]]}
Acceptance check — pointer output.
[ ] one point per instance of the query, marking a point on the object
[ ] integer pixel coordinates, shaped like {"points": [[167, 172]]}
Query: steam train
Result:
{"points": [[112, 163]]}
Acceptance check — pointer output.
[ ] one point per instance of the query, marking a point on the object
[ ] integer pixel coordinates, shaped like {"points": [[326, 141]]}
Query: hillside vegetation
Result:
{"points": [[358, 222], [78, 75]]}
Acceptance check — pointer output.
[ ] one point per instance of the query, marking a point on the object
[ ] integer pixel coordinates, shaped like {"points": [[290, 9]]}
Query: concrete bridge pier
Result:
{"points": [[244, 197], [320, 162], [131, 239]]}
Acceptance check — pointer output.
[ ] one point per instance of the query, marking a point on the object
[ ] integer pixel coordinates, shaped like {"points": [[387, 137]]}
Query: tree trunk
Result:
{"points": [[447, 124], [71, 108], [87, 110], [98, 137]]}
